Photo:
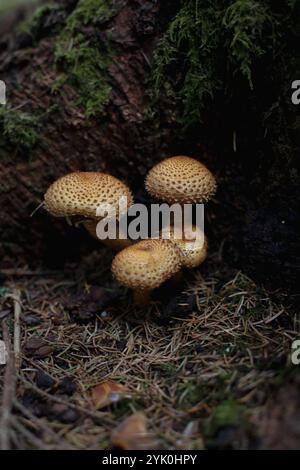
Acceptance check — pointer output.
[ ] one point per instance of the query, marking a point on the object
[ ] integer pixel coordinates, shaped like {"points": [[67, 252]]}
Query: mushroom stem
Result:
{"points": [[141, 297]]}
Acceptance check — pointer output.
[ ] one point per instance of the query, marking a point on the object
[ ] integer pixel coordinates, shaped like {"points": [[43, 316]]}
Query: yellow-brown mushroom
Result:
{"points": [[145, 266], [192, 244], [78, 195], [181, 180]]}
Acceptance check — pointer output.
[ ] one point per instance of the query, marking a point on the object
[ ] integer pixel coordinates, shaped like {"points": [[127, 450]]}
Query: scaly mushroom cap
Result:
{"points": [[80, 193], [147, 264], [193, 245], [181, 179]]}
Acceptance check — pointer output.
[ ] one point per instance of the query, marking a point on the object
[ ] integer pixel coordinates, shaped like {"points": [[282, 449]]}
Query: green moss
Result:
{"points": [[91, 12], [19, 128], [87, 73], [226, 414], [85, 60], [33, 24], [193, 393], [245, 22], [188, 46], [210, 47], [4, 291]]}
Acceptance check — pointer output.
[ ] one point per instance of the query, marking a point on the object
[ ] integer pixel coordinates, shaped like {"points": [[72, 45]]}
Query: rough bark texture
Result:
{"points": [[254, 217], [121, 141]]}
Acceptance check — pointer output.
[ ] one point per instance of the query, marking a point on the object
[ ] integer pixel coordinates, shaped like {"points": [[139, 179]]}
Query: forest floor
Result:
{"points": [[209, 369]]}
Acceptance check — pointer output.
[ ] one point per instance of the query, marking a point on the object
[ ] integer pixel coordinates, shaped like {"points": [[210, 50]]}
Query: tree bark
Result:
{"points": [[122, 141], [254, 218]]}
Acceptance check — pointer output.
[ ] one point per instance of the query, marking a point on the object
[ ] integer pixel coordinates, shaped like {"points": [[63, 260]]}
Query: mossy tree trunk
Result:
{"points": [[82, 77], [76, 77]]}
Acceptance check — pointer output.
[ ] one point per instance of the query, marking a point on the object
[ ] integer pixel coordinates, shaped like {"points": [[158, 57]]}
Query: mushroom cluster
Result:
{"points": [[144, 265]]}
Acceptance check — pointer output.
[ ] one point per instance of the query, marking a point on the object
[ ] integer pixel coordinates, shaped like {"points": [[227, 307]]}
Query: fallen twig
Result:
{"points": [[17, 328], [9, 388]]}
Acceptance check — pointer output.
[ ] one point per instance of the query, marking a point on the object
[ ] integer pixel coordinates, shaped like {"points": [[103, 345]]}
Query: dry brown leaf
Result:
{"points": [[107, 393], [132, 434], [3, 353], [38, 347]]}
